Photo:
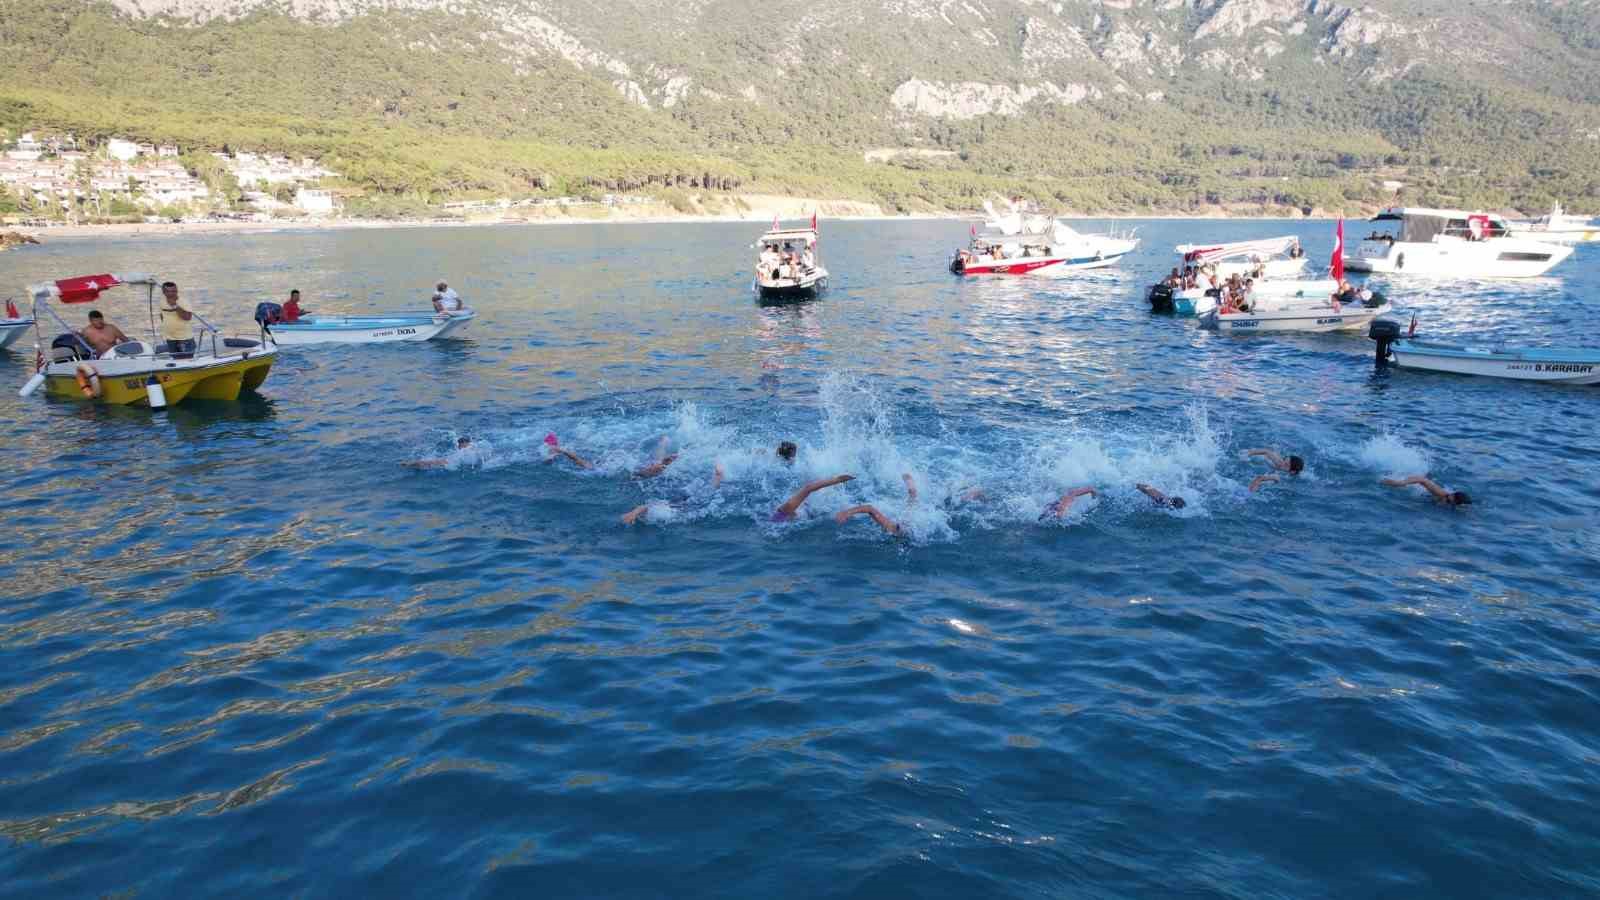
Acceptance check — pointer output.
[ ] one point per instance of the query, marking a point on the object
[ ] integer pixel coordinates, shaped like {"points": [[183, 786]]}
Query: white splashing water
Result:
{"points": [[1388, 455]]}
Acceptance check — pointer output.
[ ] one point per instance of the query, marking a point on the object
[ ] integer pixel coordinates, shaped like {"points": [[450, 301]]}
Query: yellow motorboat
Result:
{"points": [[142, 373]]}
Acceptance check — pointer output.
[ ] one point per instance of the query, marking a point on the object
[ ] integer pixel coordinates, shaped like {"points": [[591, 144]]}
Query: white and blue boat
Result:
{"points": [[13, 328], [1556, 365], [375, 329]]}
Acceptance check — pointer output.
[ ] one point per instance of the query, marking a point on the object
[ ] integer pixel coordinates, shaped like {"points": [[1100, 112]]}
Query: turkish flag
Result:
{"points": [[813, 220], [11, 310], [84, 288], [1337, 265]]}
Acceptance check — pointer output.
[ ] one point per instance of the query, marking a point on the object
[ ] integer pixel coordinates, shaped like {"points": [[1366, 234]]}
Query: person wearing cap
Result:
{"points": [[100, 334], [445, 299], [175, 318]]}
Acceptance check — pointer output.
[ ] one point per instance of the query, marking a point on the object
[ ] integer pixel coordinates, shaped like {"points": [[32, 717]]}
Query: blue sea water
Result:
{"points": [[247, 651]]}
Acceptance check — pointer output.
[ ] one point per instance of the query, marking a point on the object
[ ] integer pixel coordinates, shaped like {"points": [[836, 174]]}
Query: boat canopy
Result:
{"points": [[1421, 226], [1268, 247], [790, 234], [86, 288]]}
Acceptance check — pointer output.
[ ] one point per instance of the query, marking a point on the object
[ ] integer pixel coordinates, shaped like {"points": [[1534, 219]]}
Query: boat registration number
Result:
{"points": [[1564, 368], [1335, 320], [393, 331], [1238, 325]]}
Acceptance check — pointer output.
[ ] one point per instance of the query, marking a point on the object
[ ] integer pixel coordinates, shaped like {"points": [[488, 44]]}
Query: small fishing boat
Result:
{"points": [[788, 266], [13, 327], [1278, 262], [375, 329], [1199, 301], [136, 372], [1557, 365], [1293, 314], [1023, 244]]}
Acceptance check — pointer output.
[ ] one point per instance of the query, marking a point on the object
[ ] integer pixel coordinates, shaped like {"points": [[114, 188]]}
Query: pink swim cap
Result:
{"points": [[551, 439]]}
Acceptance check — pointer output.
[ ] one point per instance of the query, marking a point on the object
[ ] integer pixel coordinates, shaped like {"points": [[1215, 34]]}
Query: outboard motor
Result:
{"points": [[1160, 298], [1385, 332], [269, 314]]}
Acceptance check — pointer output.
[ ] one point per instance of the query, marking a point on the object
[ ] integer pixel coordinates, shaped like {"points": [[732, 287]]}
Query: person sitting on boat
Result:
{"points": [[1452, 499], [175, 318], [1294, 465], [1174, 280], [291, 310], [808, 259], [101, 335], [769, 261], [1296, 251], [1161, 500], [446, 300]]}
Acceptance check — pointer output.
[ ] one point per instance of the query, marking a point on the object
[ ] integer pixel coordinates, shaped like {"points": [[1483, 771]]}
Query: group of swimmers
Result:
{"points": [[467, 453]]}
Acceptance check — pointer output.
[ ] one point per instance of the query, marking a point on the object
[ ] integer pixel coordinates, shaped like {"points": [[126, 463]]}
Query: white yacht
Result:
{"points": [[1451, 243], [1558, 227]]}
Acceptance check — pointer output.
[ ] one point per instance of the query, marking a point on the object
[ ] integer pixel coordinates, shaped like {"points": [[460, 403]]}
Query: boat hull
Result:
{"points": [[809, 285], [1501, 257], [370, 329], [1319, 318], [122, 381], [1198, 302], [1044, 266], [1554, 367], [11, 330]]}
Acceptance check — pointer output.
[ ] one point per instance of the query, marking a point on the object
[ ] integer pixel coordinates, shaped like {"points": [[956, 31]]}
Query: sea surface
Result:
{"points": [[245, 650]]}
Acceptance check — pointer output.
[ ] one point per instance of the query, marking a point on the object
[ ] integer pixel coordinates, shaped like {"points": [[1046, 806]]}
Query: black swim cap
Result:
{"points": [[1296, 464], [1460, 498], [1177, 503]]}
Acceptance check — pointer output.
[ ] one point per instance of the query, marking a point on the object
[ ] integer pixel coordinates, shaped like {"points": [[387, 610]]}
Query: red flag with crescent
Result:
{"points": [[1336, 266]]}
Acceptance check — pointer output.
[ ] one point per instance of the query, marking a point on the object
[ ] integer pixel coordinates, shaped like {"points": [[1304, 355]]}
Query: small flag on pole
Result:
{"points": [[774, 221], [1412, 331], [813, 220]]}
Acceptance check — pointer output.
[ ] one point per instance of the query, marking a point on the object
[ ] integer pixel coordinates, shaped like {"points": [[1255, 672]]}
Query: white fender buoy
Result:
{"points": [[157, 395], [88, 380], [32, 384]]}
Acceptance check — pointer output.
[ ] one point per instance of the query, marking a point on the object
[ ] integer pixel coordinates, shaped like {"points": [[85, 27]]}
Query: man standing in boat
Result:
{"points": [[175, 327]]}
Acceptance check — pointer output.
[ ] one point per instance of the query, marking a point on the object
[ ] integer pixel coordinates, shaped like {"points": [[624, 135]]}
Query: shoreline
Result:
{"points": [[189, 229]]}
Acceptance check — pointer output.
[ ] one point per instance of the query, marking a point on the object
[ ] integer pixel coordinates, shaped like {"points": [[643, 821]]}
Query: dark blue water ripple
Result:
{"points": [[249, 652]]}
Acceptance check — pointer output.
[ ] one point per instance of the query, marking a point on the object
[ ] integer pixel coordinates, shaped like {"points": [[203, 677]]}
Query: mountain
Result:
{"points": [[1096, 105]]}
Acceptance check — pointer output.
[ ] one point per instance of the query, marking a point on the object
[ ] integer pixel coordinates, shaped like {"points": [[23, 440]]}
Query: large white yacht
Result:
{"points": [[1451, 243]]}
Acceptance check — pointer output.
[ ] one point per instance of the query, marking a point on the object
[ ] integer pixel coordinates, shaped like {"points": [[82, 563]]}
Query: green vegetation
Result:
{"points": [[409, 127]]}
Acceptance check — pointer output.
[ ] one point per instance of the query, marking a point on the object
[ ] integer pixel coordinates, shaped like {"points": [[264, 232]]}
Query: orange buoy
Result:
{"points": [[88, 380]]}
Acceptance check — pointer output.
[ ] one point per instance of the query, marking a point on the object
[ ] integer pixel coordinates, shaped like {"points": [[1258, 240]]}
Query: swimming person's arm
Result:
{"points": [[887, 524], [792, 505], [1272, 458], [1262, 481], [716, 475], [911, 487], [1061, 506], [1152, 493], [635, 514], [1423, 481], [577, 460], [656, 468]]}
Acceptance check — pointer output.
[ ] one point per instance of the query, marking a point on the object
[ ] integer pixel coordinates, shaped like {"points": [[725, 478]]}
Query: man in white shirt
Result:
{"points": [[445, 299]]}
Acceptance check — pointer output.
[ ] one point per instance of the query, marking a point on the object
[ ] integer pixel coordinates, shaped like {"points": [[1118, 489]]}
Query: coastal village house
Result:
{"points": [[56, 172]]}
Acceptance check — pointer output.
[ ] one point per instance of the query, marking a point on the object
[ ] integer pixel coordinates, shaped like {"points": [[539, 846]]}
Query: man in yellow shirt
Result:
{"points": [[175, 327]]}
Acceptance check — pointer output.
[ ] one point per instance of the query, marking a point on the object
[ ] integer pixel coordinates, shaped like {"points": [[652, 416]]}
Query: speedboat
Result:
{"points": [[136, 372], [376, 329], [1448, 243], [1558, 227], [1021, 244], [1557, 365], [1298, 314], [1199, 301], [787, 264]]}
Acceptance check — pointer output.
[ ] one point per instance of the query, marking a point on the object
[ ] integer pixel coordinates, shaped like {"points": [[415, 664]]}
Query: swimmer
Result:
{"points": [[663, 459], [1261, 481], [1162, 500], [972, 494], [1060, 507], [1453, 499], [557, 451], [787, 450], [872, 512], [464, 454], [786, 512], [1294, 465], [677, 503]]}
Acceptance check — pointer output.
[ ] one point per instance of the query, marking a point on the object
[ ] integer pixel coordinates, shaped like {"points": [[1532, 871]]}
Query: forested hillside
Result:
{"points": [[1093, 106]]}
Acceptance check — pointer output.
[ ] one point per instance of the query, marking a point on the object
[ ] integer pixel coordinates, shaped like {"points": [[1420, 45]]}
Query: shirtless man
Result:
{"points": [[100, 334], [1161, 500], [1294, 465], [1452, 499]]}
